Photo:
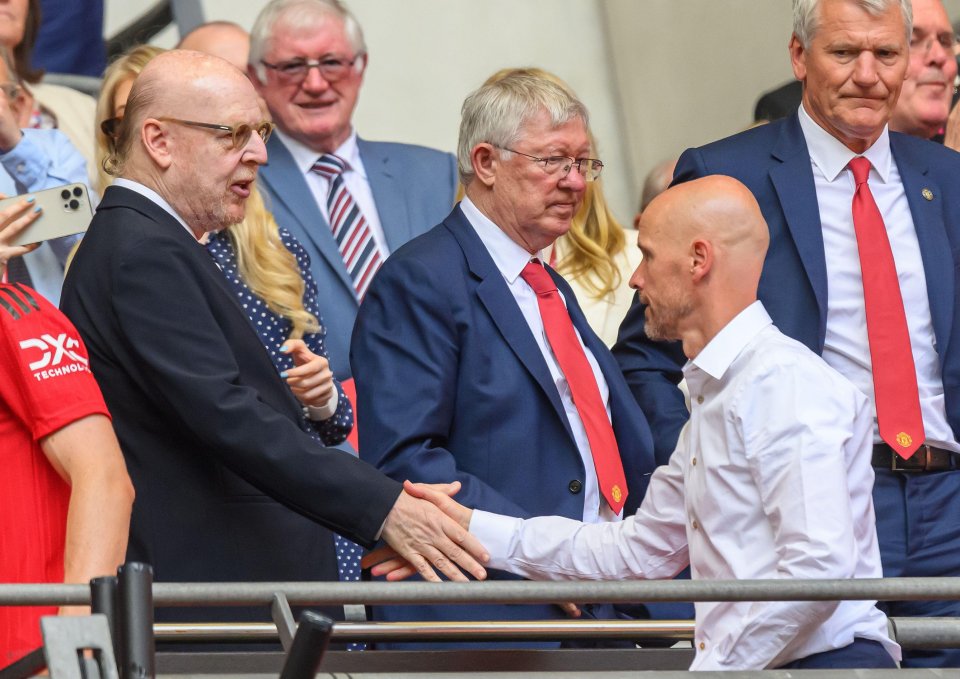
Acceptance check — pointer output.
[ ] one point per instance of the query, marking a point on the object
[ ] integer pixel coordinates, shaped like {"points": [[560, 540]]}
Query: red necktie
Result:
{"points": [[583, 385], [894, 374]]}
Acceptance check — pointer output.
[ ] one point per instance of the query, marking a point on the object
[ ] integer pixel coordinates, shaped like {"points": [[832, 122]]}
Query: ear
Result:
{"points": [[364, 60], [701, 252], [798, 58], [157, 143], [485, 160]]}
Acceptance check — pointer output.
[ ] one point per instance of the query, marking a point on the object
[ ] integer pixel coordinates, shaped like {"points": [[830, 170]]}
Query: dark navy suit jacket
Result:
{"points": [[774, 163], [228, 487], [452, 385]]}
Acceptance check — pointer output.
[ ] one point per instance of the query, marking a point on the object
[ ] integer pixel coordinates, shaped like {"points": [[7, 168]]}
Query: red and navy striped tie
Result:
{"points": [[359, 250]]}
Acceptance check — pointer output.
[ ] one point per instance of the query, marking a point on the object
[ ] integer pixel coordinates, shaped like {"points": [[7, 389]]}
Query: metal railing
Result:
{"points": [[514, 591]]}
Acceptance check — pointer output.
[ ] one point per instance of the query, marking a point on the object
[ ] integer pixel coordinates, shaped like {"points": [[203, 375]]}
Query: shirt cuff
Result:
{"points": [[497, 533], [326, 411]]}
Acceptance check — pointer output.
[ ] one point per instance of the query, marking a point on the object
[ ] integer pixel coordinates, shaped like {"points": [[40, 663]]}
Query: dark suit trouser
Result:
{"points": [[860, 655], [918, 525]]}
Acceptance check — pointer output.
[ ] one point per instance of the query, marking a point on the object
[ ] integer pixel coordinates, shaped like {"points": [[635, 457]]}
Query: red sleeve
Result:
{"points": [[45, 378]]}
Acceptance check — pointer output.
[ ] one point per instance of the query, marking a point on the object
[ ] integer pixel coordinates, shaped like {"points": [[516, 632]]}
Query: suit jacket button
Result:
{"points": [[575, 486]]}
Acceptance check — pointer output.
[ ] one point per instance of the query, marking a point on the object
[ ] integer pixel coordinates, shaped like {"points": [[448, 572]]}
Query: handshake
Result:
{"points": [[460, 548]]}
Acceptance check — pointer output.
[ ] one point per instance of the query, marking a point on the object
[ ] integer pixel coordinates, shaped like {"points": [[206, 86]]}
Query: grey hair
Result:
{"points": [[805, 16], [303, 15], [496, 113]]}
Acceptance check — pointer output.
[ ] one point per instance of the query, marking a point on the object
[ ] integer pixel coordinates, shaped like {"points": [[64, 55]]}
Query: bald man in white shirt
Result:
{"points": [[786, 438]]}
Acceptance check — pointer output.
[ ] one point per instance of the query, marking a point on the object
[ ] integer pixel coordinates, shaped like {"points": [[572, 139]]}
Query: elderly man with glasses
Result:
{"points": [[229, 487], [473, 360], [349, 201]]}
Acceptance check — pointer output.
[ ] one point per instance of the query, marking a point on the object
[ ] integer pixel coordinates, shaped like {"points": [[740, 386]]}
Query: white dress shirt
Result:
{"points": [[846, 346], [510, 259], [771, 479], [354, 177]]}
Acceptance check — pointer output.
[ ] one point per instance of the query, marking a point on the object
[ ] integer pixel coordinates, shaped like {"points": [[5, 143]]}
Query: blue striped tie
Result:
{"points": [[359, 250]]}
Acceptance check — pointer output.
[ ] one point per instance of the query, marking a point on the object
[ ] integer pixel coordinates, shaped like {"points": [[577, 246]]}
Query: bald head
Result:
{"points": [[703, 245], [188, 133], [716, 208], [223, 39], [183, 84]]}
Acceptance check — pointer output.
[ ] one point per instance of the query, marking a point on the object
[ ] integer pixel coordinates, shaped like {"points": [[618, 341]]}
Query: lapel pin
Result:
{"points": [[927, 193]]}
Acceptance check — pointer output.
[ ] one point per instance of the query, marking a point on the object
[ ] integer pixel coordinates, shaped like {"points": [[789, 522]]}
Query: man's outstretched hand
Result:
{"points": [[422, 538]]}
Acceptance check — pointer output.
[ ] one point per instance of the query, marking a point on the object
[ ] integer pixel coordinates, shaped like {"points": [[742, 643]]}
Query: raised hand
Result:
{"points": [[311, 379], [13, 220]]}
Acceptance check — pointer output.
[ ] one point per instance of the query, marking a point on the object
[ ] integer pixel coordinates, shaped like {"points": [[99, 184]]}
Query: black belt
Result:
{"points": [[926, 459]]}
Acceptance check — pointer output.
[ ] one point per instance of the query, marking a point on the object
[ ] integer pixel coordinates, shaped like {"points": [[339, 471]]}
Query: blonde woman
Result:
{"points": [[268, 271], [596, 256]]}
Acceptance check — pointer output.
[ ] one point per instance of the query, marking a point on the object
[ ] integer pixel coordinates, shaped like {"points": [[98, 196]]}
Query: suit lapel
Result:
{"points": [[387, 194], [793, 181], [289, 187], [500, 304], [935, 248]]}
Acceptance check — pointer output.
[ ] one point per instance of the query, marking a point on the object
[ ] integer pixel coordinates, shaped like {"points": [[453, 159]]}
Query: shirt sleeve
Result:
{"points": [[651, 544], [45, 380], [797, 424], [43, 159]]}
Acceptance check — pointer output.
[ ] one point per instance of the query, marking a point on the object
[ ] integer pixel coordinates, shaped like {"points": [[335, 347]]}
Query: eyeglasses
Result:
{"points": [[332, 69], [241, 133], [589, 168], [945, 39], [10, 89], [111, 127]]}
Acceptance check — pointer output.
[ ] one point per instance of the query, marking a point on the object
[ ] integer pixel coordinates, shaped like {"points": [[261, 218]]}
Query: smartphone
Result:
{"points": [[66, 211]]}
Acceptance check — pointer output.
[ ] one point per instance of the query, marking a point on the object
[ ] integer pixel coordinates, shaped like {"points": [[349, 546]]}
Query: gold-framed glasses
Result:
{"points": [[240, 133], [331, 68], [589, 168]]}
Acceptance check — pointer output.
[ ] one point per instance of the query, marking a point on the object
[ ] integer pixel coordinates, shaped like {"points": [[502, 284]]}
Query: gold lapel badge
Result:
{"points": [[927, 193]]}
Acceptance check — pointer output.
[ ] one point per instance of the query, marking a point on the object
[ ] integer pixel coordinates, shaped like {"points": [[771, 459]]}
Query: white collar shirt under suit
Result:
{"points": [[771, 479]]}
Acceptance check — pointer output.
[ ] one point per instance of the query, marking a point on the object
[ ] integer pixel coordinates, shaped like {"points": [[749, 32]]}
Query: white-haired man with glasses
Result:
{"points": [[472, 358], [349, 201]]}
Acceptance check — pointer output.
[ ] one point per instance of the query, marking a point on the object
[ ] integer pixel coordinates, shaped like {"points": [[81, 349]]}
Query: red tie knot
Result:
{"points": [[538, 278], [860, 167]]}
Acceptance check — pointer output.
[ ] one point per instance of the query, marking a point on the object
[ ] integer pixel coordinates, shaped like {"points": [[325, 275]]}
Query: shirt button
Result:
{"points": [[21, 167], [575, 486], [699, 399], [694, 462], [696, 526], [702, 646]]}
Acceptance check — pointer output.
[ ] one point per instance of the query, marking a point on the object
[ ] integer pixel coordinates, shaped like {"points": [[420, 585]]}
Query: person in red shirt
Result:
{"points": [[65, 496]]}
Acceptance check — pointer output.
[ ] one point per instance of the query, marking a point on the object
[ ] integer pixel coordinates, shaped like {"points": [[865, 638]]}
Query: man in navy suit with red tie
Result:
{"points": [[472, 358], [863, 268]]}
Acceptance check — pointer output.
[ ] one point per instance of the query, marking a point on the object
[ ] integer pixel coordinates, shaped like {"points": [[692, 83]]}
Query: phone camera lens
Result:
{"points": [[77, 191], [74, 204], [65, 194]]}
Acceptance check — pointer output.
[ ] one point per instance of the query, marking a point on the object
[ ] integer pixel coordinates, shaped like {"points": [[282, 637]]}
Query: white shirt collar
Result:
{"points": [[304, 157], [154, 197], [509, 257], [831, 156], [721, 351]]}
